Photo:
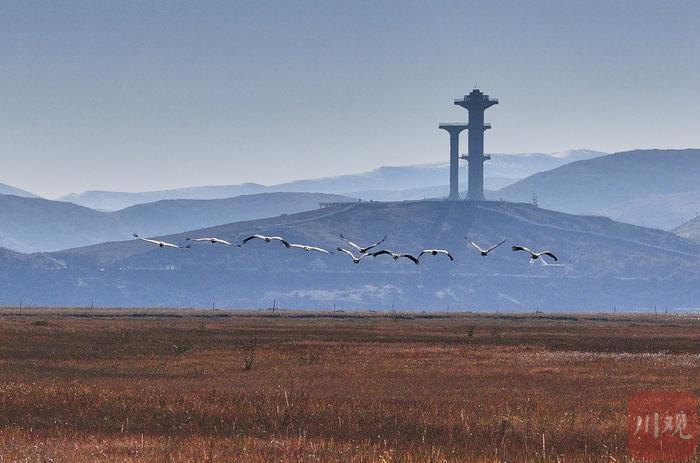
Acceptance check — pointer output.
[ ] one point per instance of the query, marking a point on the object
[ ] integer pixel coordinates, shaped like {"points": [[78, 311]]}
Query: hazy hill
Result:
{"points": [[33, 224], [663, 211], [10, 190], [656, 188], [502, 168], [606, 264], [187, 214], [519, 166], [115, 200], [690, 230], [379, 184]]}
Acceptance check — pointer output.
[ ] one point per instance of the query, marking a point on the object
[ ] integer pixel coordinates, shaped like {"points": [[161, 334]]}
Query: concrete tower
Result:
{"points": [[476, 103], [454, 130]]}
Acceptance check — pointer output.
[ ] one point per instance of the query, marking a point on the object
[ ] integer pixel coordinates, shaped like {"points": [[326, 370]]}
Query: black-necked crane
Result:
{"points": [[395, 255], [362, 249], [355, 259], [308, 248], [435, 252], [534, 255], [482, 251], [213, 240], [160, 244], [267, 239]]}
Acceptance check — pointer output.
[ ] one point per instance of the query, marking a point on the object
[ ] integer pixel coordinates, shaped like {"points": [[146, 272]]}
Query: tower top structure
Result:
{"points": [[476, 100]]}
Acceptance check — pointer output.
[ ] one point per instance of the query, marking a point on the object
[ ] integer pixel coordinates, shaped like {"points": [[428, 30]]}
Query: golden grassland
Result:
{"points": [[171, 386]]}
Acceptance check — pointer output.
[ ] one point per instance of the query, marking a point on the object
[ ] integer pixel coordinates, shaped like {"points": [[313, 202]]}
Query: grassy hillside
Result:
{"points": [[604, 263]]}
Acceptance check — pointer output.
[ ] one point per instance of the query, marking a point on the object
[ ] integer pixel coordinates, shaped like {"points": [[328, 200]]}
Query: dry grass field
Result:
{"points": [[114, 386]]}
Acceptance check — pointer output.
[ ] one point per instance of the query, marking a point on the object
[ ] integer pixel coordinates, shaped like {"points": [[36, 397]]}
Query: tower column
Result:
{"points": [[476, 103], [454, 130]]}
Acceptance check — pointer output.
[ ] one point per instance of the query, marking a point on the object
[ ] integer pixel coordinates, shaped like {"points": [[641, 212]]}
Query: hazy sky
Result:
{"points": [[148, 95]]}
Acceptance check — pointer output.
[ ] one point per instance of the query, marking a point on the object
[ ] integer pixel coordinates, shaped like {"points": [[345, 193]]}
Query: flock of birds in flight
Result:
{"points": [[364, 251]]}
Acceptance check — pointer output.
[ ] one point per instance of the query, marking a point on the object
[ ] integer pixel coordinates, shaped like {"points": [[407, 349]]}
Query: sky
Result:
{"points": [[146, 95]]}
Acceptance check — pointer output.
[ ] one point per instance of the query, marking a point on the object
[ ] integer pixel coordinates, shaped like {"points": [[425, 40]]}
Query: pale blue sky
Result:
{"points": [[147, 95]]}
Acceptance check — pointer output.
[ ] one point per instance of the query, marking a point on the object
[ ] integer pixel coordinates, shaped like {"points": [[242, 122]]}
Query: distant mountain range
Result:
{"points": [[116, 200], [612, 264], [10, 190], [34, 224], [384, 183], [656, 188]]}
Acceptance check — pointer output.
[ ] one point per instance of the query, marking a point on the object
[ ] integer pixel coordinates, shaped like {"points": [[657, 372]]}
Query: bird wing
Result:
{"points": [[146, 239], [363, 250], [356, 246], [339, 249], [439, 251], [410, 257], [476, 246], [521, 248], [379, 253], [495, 246], [300, 246], [219, 240], [315, 248], [168, 245], [209, 240], [281, 240], [548, 253], [252, 237]]}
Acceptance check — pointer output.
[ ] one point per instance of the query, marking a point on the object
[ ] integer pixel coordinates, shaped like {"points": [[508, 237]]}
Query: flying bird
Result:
{"points": [[267, 239], [484, 252], [308, 248], [362, 249], [160, 244], [214, 241], [534, 255], [435, 252], [396, 256], [355, 259]]}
